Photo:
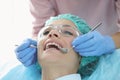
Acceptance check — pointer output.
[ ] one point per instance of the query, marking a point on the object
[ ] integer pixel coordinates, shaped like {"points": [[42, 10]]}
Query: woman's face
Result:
{"points": [[53, 37]]}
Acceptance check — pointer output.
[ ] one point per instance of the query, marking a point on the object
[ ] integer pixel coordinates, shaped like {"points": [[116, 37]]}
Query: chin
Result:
{"points": [[49, 63], [48, 58]]}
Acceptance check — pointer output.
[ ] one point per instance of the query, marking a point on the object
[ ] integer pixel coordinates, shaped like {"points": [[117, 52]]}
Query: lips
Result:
{"points": [[51, 45]]}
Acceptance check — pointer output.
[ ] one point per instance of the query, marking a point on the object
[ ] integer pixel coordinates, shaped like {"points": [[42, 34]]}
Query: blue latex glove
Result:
{"points": [[26, 54], [93, 44]]}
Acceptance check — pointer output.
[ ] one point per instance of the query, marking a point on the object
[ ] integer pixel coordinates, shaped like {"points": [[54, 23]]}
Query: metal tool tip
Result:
{"points": [[64, 50]]}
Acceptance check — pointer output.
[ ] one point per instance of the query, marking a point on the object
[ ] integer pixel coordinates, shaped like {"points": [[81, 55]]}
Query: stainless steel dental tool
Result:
{"points": [[65, 50], [33, 46]]}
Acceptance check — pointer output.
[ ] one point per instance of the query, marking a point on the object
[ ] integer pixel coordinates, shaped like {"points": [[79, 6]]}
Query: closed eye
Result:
{"points": [[46, 32], [67, 32]]}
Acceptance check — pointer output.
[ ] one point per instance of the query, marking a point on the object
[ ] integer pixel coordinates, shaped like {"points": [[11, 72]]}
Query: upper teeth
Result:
{"points": [[53, 43]]}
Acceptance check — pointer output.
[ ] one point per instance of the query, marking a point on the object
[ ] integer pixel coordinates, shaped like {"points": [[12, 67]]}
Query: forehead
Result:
{"points": [[62, 21]]}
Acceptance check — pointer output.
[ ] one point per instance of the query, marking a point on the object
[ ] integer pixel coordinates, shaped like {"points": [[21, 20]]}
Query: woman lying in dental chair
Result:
{"points": [[54, 64]]}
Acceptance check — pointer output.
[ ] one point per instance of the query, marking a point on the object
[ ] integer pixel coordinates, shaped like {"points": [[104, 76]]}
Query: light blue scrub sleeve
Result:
{"points": [[22, 73], [108, 67]]}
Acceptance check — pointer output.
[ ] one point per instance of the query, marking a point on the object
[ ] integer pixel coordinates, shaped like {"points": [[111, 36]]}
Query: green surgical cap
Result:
{"points": [[88, 64], [81, 25]]}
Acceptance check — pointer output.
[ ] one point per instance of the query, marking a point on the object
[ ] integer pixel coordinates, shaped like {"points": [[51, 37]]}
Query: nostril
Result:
{"points": [[55, 35], [50, 35]]}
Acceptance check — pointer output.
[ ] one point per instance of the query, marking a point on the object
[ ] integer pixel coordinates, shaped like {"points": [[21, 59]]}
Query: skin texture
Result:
{"points": [[116, 38], [53, 62]]}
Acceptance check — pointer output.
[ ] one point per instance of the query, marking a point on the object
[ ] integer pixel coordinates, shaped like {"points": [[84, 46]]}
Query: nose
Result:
{"points": [[54, 33]]}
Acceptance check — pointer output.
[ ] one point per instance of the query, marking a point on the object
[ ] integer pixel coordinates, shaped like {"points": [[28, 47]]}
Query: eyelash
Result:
{"points": [[46, 32], [67, 32]]}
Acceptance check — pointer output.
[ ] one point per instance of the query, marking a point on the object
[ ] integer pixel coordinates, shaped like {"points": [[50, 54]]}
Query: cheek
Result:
{"points": [[71, 60], [69, 41], [74, 55], [75, 59], [40, 43], [40, 48]]}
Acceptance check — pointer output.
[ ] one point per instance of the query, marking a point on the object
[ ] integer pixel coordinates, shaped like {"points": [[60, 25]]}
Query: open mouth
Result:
{"points": [[52, 45]]}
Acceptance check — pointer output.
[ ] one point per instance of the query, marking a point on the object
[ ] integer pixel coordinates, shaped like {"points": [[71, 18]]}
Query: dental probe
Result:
{"points": [[65, 50], [33, 46]]}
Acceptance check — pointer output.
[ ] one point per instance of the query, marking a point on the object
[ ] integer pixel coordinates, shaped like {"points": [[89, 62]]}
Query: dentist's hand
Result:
{"points": [[26, 54], [93, 44]]}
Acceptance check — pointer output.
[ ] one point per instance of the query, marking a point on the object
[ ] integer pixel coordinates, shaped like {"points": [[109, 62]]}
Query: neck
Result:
{"points": [[51, 73]]}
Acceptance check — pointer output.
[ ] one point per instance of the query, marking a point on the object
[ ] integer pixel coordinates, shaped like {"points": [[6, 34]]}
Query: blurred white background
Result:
{"points": [[15, 26]]}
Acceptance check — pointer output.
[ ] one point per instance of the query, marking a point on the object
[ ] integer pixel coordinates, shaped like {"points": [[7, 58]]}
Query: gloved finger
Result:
{"points": [[92, 53], [92, 48], [23, 53], [29, 55], [82, 39], [30, 61], [27, 63], [85, 45], [33, 42], [24, 45]]}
